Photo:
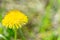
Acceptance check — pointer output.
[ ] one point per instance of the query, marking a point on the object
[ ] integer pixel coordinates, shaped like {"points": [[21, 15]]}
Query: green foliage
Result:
{"points": [[58, 37], [1, 12]]}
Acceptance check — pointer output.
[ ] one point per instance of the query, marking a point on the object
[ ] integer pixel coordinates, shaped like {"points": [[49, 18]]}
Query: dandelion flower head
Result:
{"points": [[14, 19]]}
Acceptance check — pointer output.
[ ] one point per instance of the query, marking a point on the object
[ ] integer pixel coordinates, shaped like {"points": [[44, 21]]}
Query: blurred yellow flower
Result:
{"points": [[14, 19]]}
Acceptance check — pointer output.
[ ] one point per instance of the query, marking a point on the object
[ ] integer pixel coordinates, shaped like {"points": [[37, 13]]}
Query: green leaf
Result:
{"points": [[1, 30]]}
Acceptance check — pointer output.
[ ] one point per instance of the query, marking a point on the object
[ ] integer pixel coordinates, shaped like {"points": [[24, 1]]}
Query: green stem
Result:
{"points": [[15, 36]]}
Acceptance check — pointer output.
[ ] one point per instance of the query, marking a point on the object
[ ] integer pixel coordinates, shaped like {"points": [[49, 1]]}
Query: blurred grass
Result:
{"points": [[40, 20], [1, 11]]}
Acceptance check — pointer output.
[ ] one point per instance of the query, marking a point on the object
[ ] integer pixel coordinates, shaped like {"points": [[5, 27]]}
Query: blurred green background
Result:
{"points": [[43, 15]]}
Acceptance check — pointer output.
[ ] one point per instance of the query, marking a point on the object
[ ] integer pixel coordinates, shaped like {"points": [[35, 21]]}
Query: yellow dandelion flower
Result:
{"points": [[14, 19]]}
